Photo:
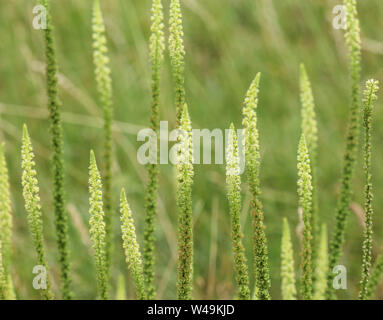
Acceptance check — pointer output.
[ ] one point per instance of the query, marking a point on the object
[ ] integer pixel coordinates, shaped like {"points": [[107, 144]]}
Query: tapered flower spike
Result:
{"points": [[104, 88], [342, 212], [132, 249], [97, 227], [309, 122], [375, 277], [289, 291], [177, 55], [305, 202], [31, 193], [157, 46], [322, 266], [233, 182], [54, 106], [185, 175], [5, 224], [372, 87], [310, 131], [252, 155]]}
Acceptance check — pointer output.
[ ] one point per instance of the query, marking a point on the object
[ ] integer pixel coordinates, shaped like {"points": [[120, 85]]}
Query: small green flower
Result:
{"points": [[132, 249], [233, 181], [289, 291], [97, 227], [31, 193], [305, 203]]}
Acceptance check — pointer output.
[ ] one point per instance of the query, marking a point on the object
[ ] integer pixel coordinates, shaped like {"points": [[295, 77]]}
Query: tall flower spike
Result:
{"points": [[157, 46], [310, 131], [372, 87], [342, 212], [177, 55], [233, 182], [252, 155], [305, 202], [5, 224], [375, 277], [185, 175], [322, 266], [54, 106], [132, 249], [97, 227], [104, 88], [31, 193], [289, 291]]}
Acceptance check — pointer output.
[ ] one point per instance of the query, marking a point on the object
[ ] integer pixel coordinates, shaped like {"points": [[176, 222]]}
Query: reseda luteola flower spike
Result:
{"points": [[309, 123], [185, 175], [177, 55], [5, 225], [322, 266], [132, 249], [97, 227], [305, 203], [233, 182], [370, 96], [157, 47], [54, 106], [353, 42], [310, 131], [289, 291], [252, 155], [31, 193], [104, 88]]}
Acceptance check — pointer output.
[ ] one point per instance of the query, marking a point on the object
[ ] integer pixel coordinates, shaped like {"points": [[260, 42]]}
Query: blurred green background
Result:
{"points": [[227, 42]]}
